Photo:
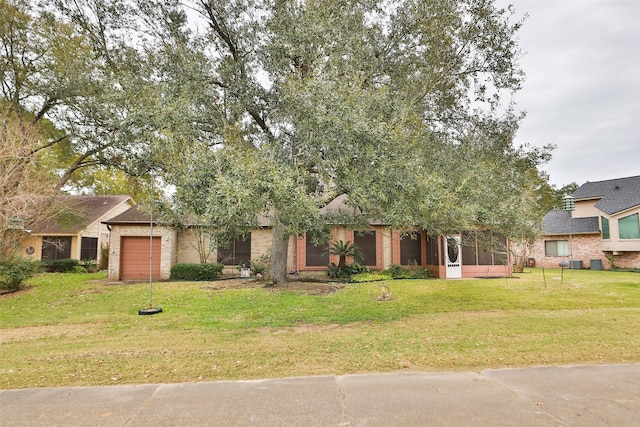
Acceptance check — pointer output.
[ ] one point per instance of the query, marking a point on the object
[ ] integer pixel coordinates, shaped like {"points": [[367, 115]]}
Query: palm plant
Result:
{"points": [[344, 250]]}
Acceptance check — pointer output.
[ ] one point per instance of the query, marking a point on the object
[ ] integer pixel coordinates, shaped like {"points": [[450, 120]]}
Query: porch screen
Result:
{"points": [[432, 250], [367, 244], [316, 255], [629, 227], [469, 248], [236, 252], [89, 248], [483, 248], [411, 249], [56, 247]]}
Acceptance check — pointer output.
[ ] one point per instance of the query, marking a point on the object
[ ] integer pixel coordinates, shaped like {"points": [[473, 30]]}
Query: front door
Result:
{"points": [[453, 253]]}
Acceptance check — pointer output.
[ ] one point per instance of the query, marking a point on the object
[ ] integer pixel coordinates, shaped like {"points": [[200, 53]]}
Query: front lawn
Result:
{"points": [[70, 329]]}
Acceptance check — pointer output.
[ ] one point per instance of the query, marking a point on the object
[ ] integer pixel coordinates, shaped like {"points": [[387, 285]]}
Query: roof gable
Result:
{"points": [[131, 216], [616, 195], [87, 209]]}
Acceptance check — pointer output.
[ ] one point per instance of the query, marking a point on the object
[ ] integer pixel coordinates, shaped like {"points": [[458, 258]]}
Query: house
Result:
{"points": [[140, 247], [81, 236], [602, 231]]}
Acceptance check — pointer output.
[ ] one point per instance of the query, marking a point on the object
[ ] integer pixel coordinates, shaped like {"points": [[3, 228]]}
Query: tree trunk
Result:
{"points": [[277, 272]]}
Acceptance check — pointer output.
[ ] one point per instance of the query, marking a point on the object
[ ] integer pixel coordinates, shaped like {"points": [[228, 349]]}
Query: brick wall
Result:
{"points": [[585, 248], [187, 251], [625, 259], [168, 239]]}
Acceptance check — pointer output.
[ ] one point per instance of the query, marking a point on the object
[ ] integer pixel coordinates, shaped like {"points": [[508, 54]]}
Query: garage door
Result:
{"points": [[134, 258]]}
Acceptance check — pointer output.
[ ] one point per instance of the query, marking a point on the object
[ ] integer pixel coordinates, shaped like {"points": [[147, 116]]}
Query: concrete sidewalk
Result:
{"points": [[545, 396]]}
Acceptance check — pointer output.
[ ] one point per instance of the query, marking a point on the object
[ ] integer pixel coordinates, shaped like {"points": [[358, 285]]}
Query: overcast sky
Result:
{"points": [[582, 92]]}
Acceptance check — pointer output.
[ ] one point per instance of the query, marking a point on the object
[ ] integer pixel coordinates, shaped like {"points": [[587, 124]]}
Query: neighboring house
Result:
{"points": [[136, 251], [78, 239], [604, 227]]}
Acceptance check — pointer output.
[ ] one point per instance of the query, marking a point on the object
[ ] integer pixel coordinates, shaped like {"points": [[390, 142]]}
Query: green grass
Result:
{"points": [[69, 329]]}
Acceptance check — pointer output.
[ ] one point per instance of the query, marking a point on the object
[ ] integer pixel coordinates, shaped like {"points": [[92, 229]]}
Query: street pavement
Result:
{"points": [[602, 395]]}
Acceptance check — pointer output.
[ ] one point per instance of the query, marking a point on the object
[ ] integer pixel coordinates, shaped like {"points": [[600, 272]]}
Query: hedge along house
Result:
{"points": [[603, 228], [80, 235], [133, 246]]}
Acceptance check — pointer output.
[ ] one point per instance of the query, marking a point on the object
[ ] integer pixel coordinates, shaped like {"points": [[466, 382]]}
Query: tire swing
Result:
{"points": [[151, 309]]}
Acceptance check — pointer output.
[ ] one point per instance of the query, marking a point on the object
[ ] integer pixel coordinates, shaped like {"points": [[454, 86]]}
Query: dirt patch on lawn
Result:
{"points": [[28, 333], [307, 287]]}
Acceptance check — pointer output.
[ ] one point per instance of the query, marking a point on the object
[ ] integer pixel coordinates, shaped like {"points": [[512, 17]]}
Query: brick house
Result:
{"points": [[459, 255], [603, 228]]}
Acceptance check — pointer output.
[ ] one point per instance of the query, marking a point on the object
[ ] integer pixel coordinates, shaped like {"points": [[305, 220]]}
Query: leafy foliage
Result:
{"points": [[408, 272], [344, 250], [272, 109], [14, 271], [346, 271], [260, 265], [60, 265], [27, 194], [104, 257], [196, 272], [375, 276]]}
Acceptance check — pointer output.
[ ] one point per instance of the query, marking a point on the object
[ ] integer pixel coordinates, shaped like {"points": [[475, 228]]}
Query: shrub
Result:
{"points": [[196, 272], [61, 265], [408, 272], [258, 266], [89, 265], [104, 256], [344, 250], [14, 271], [370, 277], [337, 272]]}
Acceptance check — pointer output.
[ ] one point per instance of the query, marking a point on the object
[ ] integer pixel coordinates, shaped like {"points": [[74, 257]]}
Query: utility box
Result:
{"points": [[576, 265], [596, 264]]}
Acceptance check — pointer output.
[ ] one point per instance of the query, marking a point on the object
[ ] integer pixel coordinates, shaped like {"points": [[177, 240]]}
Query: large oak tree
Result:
{"points": [[275, 107], [404, 106]]}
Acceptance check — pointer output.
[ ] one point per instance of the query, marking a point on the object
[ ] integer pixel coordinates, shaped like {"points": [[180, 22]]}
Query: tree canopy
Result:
{"points": [[27, 195], [403, 106], [275, 107]]}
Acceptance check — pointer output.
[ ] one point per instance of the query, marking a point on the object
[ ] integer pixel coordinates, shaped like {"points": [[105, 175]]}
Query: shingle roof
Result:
{"points": [[87, 208], [616, 195], [130, 216], [134, 216], [340, 206], [560, 222]]}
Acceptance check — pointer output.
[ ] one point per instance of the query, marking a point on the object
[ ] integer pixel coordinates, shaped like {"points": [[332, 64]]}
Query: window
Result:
{"points": [[56, 247], [629, 227], [89, 248], [556, 248], [367, 244], [411, 249], [605, 228], [237, 252], [316, 255]]}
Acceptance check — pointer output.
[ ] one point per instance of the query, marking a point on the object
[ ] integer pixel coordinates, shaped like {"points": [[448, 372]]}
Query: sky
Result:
{"points": [[582, 90]]}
